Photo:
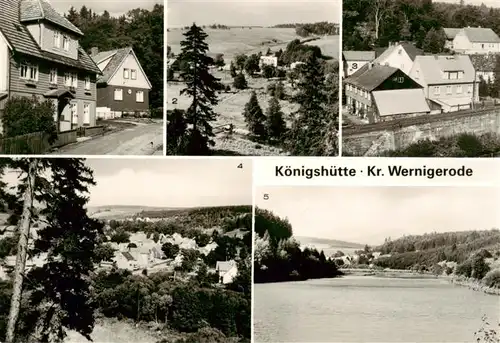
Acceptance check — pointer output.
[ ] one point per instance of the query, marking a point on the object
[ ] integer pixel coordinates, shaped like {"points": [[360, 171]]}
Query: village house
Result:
{"points": [[354, 60], [123, 87], [268, 60], [40, 56], [371, 93], [450, 34], [476, 40], [227, 271], [449, 81], [399, 55]]}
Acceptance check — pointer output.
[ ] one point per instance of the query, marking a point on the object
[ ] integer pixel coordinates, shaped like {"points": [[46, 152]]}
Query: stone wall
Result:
{"points": [[373, 139]]}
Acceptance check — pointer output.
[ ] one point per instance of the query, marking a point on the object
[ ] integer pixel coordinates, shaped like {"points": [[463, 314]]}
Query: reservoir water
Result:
{"points": [[370, 309]]}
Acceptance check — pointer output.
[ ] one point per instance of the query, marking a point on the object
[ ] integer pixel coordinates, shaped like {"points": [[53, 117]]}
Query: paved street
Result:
{"points": [[143, 139]]}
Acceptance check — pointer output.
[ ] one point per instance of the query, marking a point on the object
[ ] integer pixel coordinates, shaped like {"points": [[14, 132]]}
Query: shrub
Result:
{"points": [[492, 278], [23, 115], [240, 82]]}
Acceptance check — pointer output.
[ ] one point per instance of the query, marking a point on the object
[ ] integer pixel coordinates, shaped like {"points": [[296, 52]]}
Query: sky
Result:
{"points": [[168, 182], [251, 12], [370, 214], [114, 7]]}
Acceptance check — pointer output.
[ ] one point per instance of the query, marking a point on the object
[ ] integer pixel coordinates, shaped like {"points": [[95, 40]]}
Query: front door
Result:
{"points": [[64, 110]]}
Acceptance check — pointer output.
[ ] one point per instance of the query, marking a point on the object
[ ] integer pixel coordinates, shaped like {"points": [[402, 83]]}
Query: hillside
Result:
{"points": [[328, 242], [432, 248]]}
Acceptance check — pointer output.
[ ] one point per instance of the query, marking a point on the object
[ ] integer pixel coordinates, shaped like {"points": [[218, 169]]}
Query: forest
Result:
{"points": [[139, 28], [278, 257], [69, 292], [374, 23]]}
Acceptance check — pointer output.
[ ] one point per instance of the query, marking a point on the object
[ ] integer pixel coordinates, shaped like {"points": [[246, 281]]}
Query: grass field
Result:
{"points": [[231, 105], [238, 41]]}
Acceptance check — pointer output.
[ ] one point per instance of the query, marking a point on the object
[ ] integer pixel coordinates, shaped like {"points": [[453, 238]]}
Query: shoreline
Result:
{"points": [[474, 285]]}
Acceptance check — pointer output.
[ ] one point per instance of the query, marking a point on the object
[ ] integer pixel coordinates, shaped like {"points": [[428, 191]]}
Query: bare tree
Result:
{"points": [[379, 11], [24, 230]]}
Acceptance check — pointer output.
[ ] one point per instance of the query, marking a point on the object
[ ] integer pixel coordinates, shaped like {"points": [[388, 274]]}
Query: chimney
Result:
{"points": [[94, 51]]}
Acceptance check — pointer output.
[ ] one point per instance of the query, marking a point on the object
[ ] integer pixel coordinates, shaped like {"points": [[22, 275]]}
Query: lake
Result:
{"points": [[370, 309]]}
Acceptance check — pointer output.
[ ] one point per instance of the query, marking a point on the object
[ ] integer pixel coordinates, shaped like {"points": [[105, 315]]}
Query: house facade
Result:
{"points": [[400, 56], [450, 34], [450, 82], [268, 60], [40, 56], [485, 65], [227, 271], [360, 87], [123, 87], [354, 60], [476, 40]]}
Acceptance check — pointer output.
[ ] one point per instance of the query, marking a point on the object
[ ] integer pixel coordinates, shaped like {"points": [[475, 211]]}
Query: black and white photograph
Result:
{"points": [[376, 264], [125, 250], [253, 78], [420, 78], [81, 78]]}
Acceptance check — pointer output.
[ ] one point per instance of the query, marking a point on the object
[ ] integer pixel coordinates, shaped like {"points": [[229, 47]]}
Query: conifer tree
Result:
{"points": [[240, 82], [275, 124], [201, 86], [307, 131], [254, 117]]}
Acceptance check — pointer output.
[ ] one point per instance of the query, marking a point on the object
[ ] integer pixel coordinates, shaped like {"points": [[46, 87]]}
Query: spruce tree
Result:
{"points": [[275, 124], [240, 82], [201, 86], [254, 117], [307, 131]]}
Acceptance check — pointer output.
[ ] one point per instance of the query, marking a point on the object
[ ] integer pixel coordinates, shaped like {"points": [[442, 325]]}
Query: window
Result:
{"points": [[66, 43], [459, 89], [87, 82], [448, 89], [29, 72], [453, 75], [57, 39], [74, 113], [437, 90], [460, 74], [139, 96], [126, 73], [53, 76], [118, 94], [417, 74], [133, 74], [469, 89], [86, 113], [67, 79], [71, 80]]}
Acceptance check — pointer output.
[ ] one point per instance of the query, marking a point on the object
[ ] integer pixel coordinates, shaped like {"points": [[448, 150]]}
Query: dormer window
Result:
{"points": [[57, 39], [126, 73], [66, 43], [133, 74]]}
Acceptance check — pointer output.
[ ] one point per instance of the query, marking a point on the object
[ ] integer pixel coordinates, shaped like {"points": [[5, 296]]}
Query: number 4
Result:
{"points": [[240, 165]]}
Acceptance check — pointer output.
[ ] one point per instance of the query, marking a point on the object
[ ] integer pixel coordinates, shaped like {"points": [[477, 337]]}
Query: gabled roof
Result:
{"points": [[40, 9], [408, 101], [450, 33], [358, 55], [117, 56], [224, 266], [432, 68], [481, 35], [21, 41], [410, 49], [370, 78]]}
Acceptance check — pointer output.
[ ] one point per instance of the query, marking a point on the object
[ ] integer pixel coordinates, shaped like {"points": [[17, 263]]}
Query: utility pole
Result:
{"points": [[22, 247]]}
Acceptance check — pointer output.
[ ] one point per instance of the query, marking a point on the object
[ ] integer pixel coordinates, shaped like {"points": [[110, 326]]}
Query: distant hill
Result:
{"points": [[328, 242], [122, 211]]}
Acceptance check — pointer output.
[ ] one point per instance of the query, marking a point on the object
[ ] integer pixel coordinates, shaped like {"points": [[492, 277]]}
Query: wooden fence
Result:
{"points": [[35, 143]]}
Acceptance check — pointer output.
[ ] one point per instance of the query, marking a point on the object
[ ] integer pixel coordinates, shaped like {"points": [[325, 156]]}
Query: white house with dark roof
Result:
{"points": [[40, 56], [476, 40], [355, 60], [399, 55], [123, 86], [449, 82]]}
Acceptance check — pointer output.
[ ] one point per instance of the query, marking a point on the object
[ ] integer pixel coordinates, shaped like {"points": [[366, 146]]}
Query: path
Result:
{"points": [[142, 139]]}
